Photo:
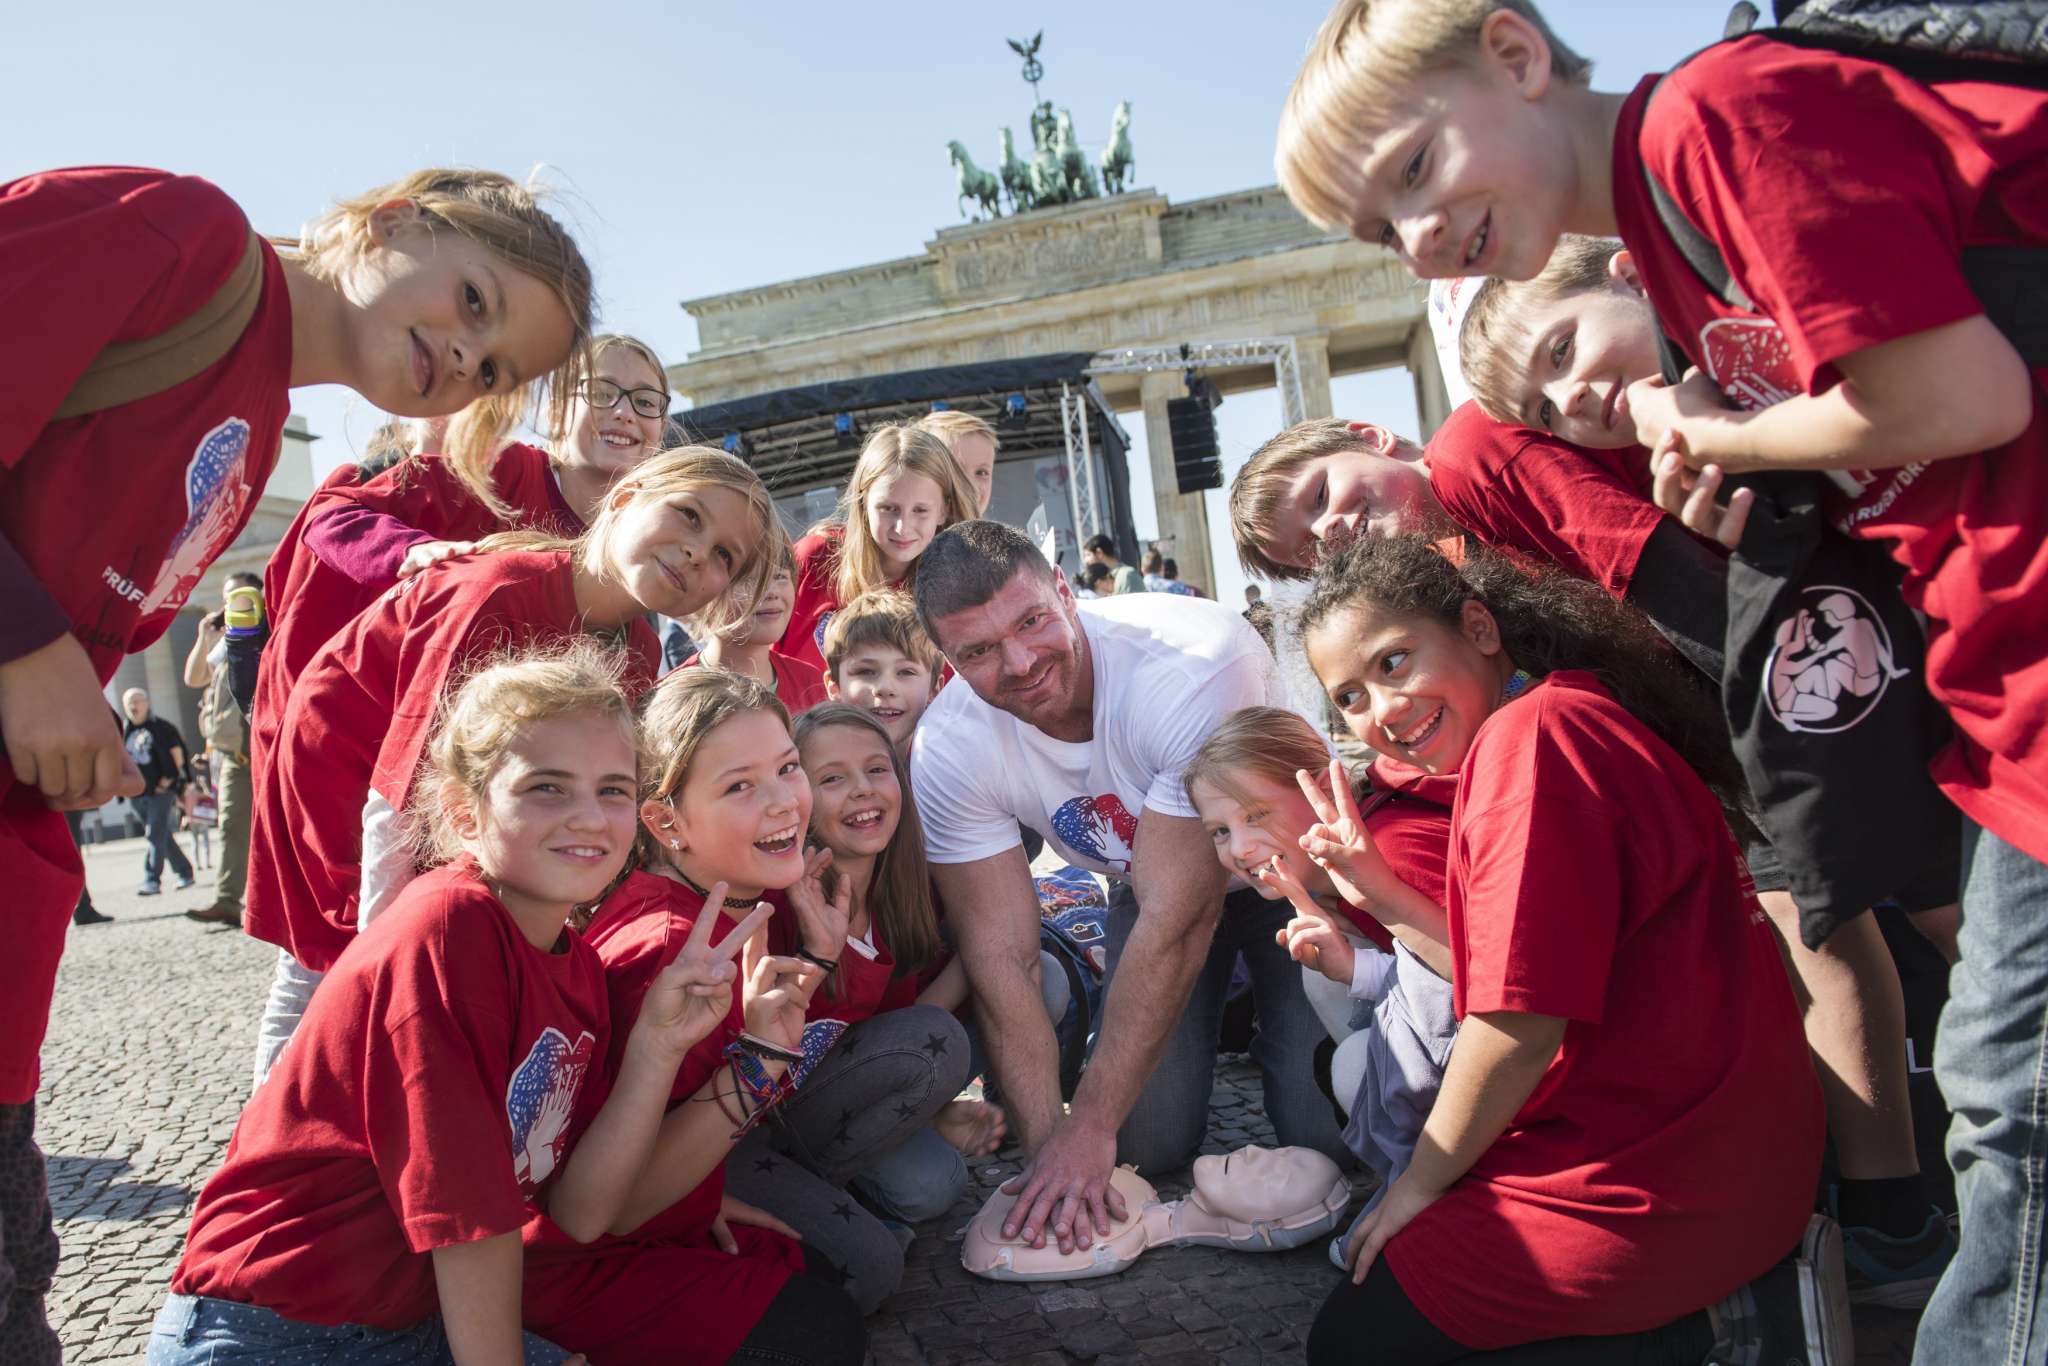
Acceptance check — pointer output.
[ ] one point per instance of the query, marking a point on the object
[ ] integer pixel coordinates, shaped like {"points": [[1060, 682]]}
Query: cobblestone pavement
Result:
{"points": [[147, 1065]]}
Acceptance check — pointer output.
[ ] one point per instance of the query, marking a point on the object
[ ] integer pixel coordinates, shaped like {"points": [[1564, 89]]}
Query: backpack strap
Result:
{"points": [[126, 371]]}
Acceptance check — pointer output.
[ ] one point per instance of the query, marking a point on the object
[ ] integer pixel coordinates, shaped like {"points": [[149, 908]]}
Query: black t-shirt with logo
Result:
{"points": [[149, 745]]}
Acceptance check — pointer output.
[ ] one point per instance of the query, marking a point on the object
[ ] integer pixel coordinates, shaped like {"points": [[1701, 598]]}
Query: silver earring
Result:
{"points": [[675, 844]]}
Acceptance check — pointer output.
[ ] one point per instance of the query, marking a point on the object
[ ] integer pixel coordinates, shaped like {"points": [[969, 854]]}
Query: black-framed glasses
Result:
{"points": [[603, 395]]}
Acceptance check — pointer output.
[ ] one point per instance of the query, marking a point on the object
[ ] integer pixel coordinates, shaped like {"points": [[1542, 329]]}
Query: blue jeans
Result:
{"points": [[1166, 1126], [159, 824], [1991, 1059], [193, 1330]]}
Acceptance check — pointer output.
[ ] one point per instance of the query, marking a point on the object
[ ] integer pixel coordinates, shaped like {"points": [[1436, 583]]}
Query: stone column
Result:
{"points": [[163, 672], [1312, 354], [1432, 400], [1183, 517]]}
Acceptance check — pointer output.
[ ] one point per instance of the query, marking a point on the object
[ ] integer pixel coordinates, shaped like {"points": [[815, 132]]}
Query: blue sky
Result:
{"points": [[696, 148]]}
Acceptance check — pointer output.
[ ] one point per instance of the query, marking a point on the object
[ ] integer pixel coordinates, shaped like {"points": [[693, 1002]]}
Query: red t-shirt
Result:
{"points": [[813, 601], [1841, 193], [797, 681], [108, 519], [865, 986], [664, 1292], [1586, 511], [344, 548], [358, 720], [1592, 876], [426, 1100]]}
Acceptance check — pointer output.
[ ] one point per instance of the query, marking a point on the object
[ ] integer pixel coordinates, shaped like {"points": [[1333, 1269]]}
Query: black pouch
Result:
{"points": [[1825, 692]]}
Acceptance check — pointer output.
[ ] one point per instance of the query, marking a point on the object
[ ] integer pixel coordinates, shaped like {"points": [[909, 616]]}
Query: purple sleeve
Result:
{"points": [[34, 619], [367, 546]]}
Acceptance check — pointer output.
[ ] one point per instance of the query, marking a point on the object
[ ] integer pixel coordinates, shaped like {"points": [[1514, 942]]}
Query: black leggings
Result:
{"points": [[810, 1322], [1377, 1322]]}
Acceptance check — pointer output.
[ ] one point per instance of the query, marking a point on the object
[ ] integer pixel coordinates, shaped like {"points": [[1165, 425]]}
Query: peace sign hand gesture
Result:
{"points": [[777, 993], [1313, 938], [1339, 842], [821, 920], [690, 997]]}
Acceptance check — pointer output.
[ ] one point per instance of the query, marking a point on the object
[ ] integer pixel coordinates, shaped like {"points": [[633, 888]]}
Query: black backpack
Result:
{"points": [[1851, 809]]}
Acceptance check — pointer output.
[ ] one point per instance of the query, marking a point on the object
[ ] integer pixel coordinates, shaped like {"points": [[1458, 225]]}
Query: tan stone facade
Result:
{"points": [[1129, 270]]}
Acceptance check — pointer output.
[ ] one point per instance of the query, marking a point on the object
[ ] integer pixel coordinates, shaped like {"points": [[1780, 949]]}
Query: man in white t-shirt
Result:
{"points": [[1076, 720]]}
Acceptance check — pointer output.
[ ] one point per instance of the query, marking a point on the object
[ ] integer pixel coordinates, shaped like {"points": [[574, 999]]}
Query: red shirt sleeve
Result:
{"points": [[93, 256], [1519, 489], [1830, 185]]}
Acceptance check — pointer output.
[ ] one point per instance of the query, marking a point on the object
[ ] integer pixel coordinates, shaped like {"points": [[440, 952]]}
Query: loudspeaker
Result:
{"points": [[1191, 426]]}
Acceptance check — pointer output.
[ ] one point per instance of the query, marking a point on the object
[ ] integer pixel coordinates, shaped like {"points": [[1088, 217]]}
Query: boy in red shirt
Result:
{"points": [[878, 657], [1842, 197]]}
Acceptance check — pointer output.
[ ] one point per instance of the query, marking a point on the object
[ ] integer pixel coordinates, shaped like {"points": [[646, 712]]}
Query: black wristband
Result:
{"points": [[831, 965], [762, 1048]]}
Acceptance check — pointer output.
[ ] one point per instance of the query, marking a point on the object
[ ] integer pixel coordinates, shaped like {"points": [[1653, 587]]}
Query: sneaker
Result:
{"points": [[184, 884], [89, 915], [219, 913], [1797, 1313], [149, 889], [1897, 1273]]}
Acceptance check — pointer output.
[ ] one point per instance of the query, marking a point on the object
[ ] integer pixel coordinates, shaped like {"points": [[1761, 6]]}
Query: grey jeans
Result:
{"points": [[1165, 1127], [864, 1111]]}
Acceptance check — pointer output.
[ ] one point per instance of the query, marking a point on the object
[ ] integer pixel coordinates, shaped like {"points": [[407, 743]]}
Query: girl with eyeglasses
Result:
{"points": [[353, 540]]}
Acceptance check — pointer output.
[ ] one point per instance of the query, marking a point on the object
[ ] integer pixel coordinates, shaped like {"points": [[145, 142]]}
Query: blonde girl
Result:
{"points": [[1265, 783], [360, 1215], [672, 537], [697, 1275], [356, 537], [905, 489], [152, 343]]}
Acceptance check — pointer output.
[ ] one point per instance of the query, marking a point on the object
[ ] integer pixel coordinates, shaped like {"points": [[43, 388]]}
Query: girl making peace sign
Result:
{"points": [[691, 1274]]}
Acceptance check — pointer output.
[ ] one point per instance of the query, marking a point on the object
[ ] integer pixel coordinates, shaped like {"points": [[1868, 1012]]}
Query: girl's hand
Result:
{"points": [[59, 733], [431, 552], [733, 1210], [690, 997], [1405, 1199], [777, 993], [1312, 938], [822, 920], [1689, 494], [1339, 842]]}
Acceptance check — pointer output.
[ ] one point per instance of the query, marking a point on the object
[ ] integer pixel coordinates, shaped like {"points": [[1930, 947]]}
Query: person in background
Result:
{"points": [[1095, 582], [84, 913], [1099, 549], [1169, 569], [974, 444], [1252, 596], [226, 733], [159, 752]]}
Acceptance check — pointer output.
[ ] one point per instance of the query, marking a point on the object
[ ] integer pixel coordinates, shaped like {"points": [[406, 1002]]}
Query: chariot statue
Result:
{"points": [[1058, 171]]}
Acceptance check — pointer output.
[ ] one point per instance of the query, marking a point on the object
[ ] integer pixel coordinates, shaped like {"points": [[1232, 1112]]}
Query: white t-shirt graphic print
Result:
{"points": [[1167, 670]]}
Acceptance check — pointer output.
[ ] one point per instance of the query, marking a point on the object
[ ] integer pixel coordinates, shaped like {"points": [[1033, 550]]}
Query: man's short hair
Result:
{"points": [[970, 562], [1494, 341], [242, 578], [1262, 486], [1099, 544], [885, 616]]}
